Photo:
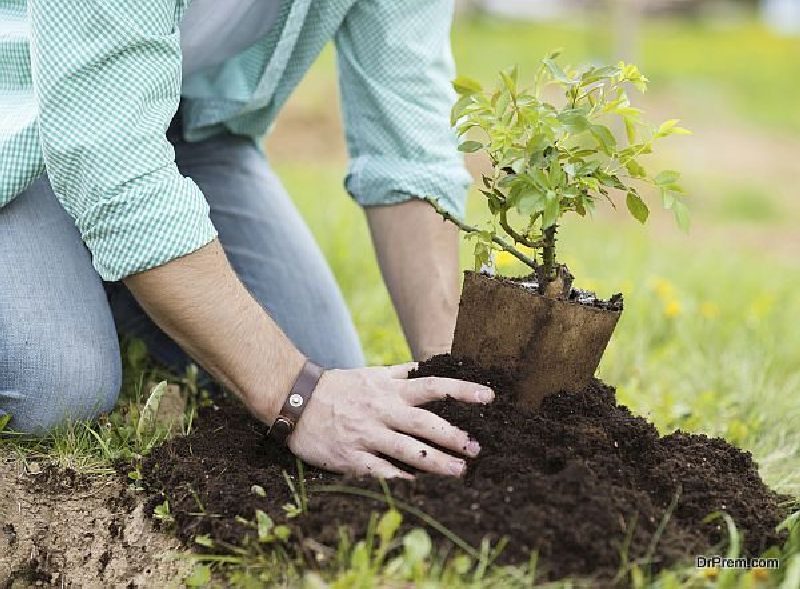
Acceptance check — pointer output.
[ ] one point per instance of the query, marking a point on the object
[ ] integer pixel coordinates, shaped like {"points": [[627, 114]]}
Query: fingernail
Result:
{"points": [[473, 447], [456, 467], [484, 395]]}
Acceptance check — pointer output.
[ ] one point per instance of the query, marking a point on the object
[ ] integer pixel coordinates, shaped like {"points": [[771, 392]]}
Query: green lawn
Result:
{"points": [[708, 341]]}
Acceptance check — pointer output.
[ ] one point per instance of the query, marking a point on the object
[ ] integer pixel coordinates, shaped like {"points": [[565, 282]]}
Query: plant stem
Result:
{"points": [[518, 238], [499, 241], [548, 257]]}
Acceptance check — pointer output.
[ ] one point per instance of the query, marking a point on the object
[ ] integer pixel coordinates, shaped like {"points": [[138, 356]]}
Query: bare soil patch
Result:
{"points": [[59, 528]]}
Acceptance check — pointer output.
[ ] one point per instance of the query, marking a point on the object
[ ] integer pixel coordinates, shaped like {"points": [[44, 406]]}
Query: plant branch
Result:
{"points": [[499, 241], [517, 237]]}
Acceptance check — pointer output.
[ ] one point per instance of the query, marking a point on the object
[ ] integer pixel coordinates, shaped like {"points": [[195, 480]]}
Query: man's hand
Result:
{"points": [[355, 416]]}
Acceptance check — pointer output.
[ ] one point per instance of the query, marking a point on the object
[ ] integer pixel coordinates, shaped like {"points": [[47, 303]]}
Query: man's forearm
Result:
{"points": [[199, 301], [354, 420], [418, 255]]}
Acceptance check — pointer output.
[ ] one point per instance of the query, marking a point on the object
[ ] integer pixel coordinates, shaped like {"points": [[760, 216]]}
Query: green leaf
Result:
{"points": [[282, 533], [681, 212], [509, 78], [605, 138], [258, 490], [667, 177], [458, 109], [388, 525], [635, 169], [540, 178], [466, 86], [556, 71], [531, 202], [574, 120], [265, 526], [630, 130], [162, 511], [552, 210], [556, 174], [482, 255], [200, 577], [610, 180], [204, 540], [637, 207], [668, 198], [147, 418], [417, 546], [671, 127], [470, 146], [555, 53], [4, 419]]}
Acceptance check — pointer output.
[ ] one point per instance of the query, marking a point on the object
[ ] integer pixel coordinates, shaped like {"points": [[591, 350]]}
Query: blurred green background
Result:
{"points": [[710, 338]]}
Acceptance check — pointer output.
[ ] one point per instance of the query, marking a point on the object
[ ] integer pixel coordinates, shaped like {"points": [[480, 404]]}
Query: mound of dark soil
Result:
{"points": [[573, 481]]}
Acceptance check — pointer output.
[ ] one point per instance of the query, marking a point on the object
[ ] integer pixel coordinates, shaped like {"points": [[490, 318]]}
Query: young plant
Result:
{"points": [[551, 159]]}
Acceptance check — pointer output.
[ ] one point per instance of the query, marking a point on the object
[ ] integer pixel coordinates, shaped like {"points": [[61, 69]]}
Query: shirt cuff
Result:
{"points": [[148, 223], [379, 180]]}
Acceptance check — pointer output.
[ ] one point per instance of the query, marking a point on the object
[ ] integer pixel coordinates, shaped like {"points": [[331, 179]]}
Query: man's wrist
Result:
{"points": [[279, 377], [295, 403]]}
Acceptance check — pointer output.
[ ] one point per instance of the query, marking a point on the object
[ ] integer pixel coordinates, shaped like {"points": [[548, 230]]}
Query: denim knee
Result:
{"points": [[46, 384]]}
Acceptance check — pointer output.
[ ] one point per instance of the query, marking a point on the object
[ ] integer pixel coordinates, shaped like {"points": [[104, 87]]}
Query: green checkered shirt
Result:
{"points": [[88, 89]]}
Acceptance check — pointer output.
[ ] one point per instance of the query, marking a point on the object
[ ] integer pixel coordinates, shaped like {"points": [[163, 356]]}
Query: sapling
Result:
{"points": [[550, 156], [550, 159]]}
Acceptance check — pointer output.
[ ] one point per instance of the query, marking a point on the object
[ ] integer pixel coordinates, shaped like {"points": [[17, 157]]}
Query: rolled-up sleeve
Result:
{"points": [[107, 77], [395, 69]]}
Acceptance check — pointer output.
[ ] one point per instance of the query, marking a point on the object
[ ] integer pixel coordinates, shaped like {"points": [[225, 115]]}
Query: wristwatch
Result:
{"points": [[296, 402]]}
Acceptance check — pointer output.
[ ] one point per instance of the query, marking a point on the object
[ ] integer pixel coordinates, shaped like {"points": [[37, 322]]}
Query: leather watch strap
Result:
{"points": [[296, 402]]}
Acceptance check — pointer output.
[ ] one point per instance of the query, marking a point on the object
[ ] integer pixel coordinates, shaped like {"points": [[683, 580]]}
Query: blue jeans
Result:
{"points": [[59, 351]]}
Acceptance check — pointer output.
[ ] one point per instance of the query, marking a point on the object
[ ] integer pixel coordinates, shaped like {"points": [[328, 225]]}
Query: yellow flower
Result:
{"points": [[672, 308], [710, 573], [503, 259], [709, 310], [760, 574], [762, 305], [663, 287]]}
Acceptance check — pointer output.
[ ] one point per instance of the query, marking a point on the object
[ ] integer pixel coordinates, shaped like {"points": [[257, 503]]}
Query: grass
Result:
{"points": [[708, 341]]}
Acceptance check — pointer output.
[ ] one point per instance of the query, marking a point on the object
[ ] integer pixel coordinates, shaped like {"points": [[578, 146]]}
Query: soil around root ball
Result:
{"points": [[572, 481]]}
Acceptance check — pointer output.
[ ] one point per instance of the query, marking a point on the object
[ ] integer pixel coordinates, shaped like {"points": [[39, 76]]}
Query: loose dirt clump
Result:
{"points": [[581, 481], [59, 528]]}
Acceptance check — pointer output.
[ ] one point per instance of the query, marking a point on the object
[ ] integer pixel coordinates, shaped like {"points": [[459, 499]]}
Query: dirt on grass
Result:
{"points": [[59, 528], [582, 481]]}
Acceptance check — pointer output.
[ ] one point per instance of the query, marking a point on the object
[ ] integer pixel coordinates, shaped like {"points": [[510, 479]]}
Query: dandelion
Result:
{"points": [[760, 574], [711, 573], [663, 288], [672, 309]]}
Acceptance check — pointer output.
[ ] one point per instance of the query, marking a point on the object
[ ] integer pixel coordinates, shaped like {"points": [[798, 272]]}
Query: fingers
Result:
{"points": [[429, 426], [402, 370], [418, 391], [419, 455], [367, 464]]}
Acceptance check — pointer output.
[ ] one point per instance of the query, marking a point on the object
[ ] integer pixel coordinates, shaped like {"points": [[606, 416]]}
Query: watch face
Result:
{"points": [[281, 428]]}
